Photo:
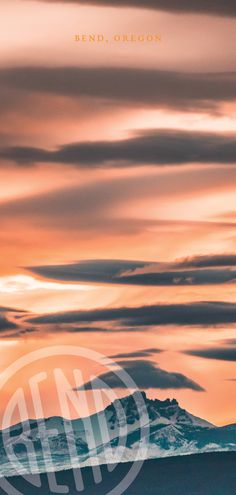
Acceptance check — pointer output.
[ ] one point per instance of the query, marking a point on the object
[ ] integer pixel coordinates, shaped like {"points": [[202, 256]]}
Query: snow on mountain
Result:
{"points": [[131, 428]]}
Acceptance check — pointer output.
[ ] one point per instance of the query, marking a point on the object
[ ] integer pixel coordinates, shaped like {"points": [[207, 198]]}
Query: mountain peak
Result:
{"points": [[140, 396], [157, 402], [163, 412]]}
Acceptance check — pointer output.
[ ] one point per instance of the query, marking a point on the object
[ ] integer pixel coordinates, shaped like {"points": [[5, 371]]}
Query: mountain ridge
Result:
{"points": [[131, 428]]}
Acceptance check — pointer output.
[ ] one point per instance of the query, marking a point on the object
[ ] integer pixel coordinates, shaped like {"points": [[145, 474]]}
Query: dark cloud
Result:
{"points": [[6, 309], [145, 375], [162, 147], [218, 260], [213, 7], [5, 324], [156, 274], [219, 353], [137, 354], [94, 329], [165, 89], [197, 313], [91, 271], [8, 322]]}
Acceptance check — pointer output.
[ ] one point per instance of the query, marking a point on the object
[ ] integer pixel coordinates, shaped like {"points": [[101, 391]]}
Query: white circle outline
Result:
{"points": [[50, 351]]}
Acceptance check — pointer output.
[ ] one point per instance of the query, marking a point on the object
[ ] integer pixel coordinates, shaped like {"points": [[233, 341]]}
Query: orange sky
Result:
{"points": [[58, 212]]}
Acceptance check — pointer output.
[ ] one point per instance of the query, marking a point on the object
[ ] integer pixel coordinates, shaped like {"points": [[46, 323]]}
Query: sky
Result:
{"points": [[117, 205]]}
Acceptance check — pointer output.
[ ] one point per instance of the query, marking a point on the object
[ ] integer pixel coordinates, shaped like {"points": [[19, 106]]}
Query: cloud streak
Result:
{"points": [[216, 7], [146, 375], [162, 147], [101, 207], [5, 324], [218, 353], [137, 354], [197, 313], [202, 270], [144, 87], [209, 261]]}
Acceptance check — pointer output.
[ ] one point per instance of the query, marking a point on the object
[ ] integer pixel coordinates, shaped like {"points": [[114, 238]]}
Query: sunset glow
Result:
{"points": [[117, 167]]}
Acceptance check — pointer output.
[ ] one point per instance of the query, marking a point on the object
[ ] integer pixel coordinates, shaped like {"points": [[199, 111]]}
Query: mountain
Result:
{"points": [[129, 429]]}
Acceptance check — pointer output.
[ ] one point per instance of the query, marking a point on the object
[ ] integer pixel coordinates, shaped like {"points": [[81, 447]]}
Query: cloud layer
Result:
{"points": [[145, 375], [219, 353], [137, 354], [200, 270], [155, 88], [5, 324], [216, 7], [162, 147], [202, 313]]}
